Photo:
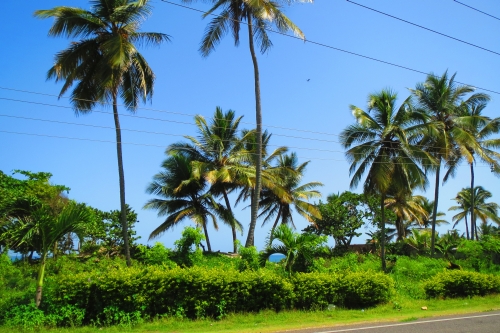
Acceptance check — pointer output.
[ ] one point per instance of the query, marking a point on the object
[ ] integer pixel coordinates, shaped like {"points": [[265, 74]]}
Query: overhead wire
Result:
{"points": [[332, 47], [477, 10], [425, 28], [161, 133], [160, 146], [168, 134], [192, 124]]}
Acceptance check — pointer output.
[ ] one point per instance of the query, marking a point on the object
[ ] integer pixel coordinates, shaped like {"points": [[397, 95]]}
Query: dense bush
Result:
{"points": [[352, 290], [482, 256], [198, 292], [193, 292], [459, 283]]}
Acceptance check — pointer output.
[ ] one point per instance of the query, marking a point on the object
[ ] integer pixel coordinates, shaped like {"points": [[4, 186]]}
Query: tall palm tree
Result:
{"points": [[182, 196], [483, 210], [274, 204], [380, 146], [258, 15], [443, 99], [43, 228], [105, 64], [218, 156], [482, 128]]}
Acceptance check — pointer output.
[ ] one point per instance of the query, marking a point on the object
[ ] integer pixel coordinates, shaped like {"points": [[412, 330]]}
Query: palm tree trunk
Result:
{"points": [[274, 225], [205, 230], [123, 207], [473, 229], [233, 224], [382, 233], [466, 228], [434, 210], [39, 280], [400, 228], [258, 120]]}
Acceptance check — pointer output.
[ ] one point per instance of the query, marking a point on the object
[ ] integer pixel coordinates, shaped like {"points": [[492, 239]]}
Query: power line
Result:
{"points": [[159, 146], [181, 122], [334, 48], [160, 133], [422, 27], [477, 10], [165, 111]]}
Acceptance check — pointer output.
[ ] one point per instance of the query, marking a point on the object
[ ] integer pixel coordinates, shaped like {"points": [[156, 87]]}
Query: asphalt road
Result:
{"points": [[484, 322]]}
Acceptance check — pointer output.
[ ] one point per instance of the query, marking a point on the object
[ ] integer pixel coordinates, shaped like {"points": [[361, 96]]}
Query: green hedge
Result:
{"points": [[198, 292], [352, 290], [459, 283]]}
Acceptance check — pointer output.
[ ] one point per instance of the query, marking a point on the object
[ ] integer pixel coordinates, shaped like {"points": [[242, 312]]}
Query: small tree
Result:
{"points": [[42, 229], [294, 246]]}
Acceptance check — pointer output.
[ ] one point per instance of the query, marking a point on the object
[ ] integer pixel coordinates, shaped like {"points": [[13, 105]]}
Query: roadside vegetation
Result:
{"points": [[79, 266]]}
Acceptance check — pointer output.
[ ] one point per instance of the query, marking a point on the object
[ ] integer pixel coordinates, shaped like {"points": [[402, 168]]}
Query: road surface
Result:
{"points": [[484, 322]]}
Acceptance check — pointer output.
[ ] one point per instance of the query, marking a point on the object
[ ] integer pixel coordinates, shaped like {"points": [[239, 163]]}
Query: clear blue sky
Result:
{"points": [[189, 84]]}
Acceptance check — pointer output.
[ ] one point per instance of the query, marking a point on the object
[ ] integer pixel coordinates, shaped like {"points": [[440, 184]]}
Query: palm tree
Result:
{"points": [[274, 204], [380, 146], [407, 209], [483, 210], [42, 229], [258, 16], [441, 98], [482, 128], [105, 63], [183, 196], [428, 206], [218, 156], [293, 246]]}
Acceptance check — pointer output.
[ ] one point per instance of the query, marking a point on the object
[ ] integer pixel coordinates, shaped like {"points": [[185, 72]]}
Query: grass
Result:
{"points": [[269, 321]]}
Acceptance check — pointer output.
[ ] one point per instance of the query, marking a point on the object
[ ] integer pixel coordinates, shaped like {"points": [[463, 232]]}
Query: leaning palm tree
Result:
{"points": [[380, 146], [281, 206], [483, 210], [482, 128], [105, 64], [42, 229], [442, 99], [258, 16], [183, 196], [218, 156]]}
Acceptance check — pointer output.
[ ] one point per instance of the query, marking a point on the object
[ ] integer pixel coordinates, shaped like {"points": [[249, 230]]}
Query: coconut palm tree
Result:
{"points": [[482, 128], [407, 209], [258, 16], [42, 229], [105, 64], [380, 146], [218, 156], [483, 210], [442, 99], [274, 204], [183, 196]]}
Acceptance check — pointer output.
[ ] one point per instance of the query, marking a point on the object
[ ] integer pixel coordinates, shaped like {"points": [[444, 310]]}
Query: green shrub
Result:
{"points": [[352, 290], [362, 289], [157, 254], [249, 258], [459, 283], [482, 256], [27, 317]]}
